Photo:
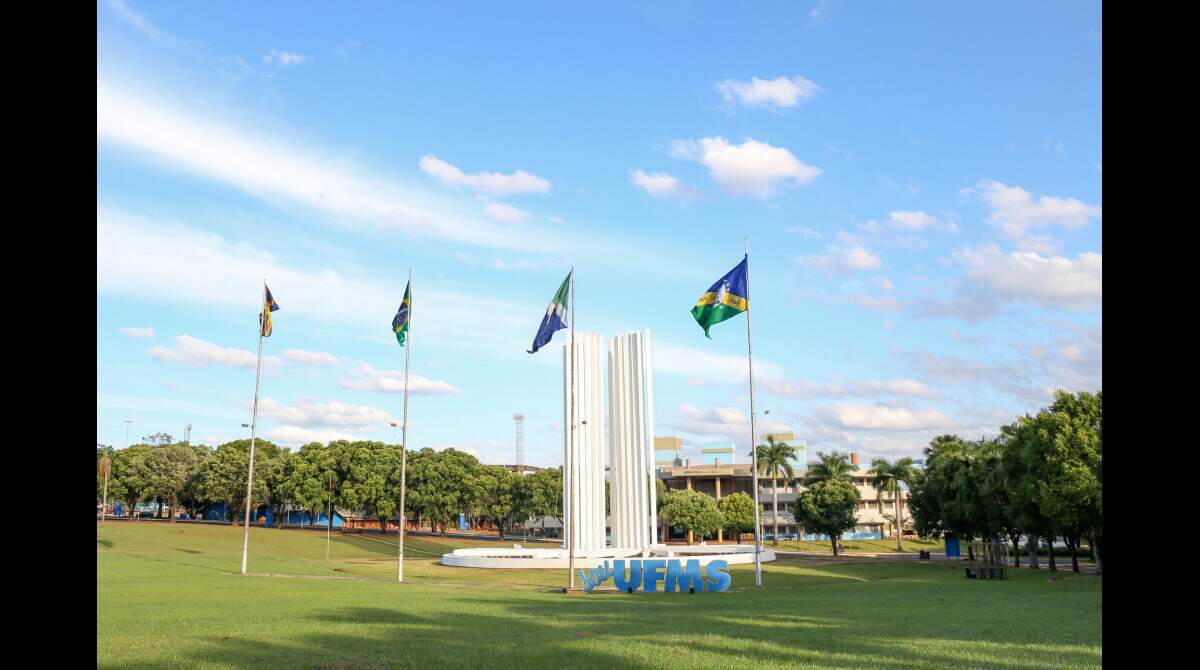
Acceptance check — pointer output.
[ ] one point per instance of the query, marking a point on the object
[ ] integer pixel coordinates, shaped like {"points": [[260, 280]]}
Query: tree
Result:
{"points": [[775, 459], [130, 477], [737, 511], [223, 476], [693, 511], [307, 477], [505, 498], [546, 489], [829, 467], [828, 507], [370, 478], [158, 439], [439, 484], [168, 468], [886, 478]]}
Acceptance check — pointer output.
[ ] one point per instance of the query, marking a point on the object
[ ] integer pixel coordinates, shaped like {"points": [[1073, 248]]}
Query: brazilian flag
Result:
{"points": [[400, 322], [723, 300]]}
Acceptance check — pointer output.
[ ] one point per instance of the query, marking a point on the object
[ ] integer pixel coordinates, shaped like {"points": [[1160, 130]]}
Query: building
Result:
{"points": [[717, 453], [719, 481], [668, 451]]}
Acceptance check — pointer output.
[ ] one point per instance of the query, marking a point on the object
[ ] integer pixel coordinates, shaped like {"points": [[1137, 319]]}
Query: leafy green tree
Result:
{"points": [[546, 488], [737, 510], [775, 460], [440, 484], [507, 497], [307, 476], [829, 467], [828, 506], [158, 439], [223, 476], [370, 478], [168, 469], [886, 478], [693, 511], [130, 477]]}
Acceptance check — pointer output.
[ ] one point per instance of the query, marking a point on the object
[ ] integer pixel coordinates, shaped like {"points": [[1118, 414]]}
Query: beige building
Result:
{"points": [[719, 481]]}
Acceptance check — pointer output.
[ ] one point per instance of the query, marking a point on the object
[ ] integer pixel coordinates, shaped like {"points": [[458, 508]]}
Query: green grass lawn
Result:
{"points": [[170, 595]]}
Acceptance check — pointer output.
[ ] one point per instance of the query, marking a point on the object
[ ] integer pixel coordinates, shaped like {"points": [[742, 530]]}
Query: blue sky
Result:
{"points": [[920, 184]]}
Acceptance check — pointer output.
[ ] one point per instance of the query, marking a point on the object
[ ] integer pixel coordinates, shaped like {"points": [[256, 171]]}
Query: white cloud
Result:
{"points": [[912, 221], [144, 25], [333, 414], [882, 417], [840, 259], [1015, 212], [884, 283], [492, 183], [201, 353], [142, 333], [720, 422], [867, 388], [806, 232], [504, 212], [272, 169], [658, 184], [752, 168], [284, 58], [368, 378], [704, 364], [820, 11], [290, 435], [1049, 281], [556, 220], [771, 93], [170, 256], [316, 358]]}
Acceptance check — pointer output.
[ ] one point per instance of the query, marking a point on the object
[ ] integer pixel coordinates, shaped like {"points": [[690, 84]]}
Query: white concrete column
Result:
{"points": [[589, 443], [631, 440]]}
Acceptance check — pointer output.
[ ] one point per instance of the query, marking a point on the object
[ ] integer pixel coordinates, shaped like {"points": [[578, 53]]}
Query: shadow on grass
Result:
{"points": [[104, 543]]}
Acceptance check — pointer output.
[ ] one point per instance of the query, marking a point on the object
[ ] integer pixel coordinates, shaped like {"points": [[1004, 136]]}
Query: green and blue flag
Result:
{"points": [[723, 300], [556, 316]]}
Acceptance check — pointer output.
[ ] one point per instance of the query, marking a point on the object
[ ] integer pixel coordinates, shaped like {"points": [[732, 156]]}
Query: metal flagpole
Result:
{"points": [[571, 451], [753, 440], [404, 430], [253, 432], [329, 517]]}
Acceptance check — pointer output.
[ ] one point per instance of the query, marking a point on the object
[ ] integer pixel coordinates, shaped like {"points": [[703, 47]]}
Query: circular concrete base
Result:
{"points": [[526, 559]]}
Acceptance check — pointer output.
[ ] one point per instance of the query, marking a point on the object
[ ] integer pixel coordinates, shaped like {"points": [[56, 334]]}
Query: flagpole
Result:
{"points": [[404, 429], [753, 441], [571, 452], [253, 430]]}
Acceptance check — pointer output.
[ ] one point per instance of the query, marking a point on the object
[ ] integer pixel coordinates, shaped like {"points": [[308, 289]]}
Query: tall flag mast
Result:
{"points": [[723, 300], [402, 326], [264, 330], [555, 320]]}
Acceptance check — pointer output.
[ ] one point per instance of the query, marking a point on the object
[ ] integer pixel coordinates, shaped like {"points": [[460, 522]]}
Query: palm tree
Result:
{"points": [[775, 459], [886, 477], [829, 467]]}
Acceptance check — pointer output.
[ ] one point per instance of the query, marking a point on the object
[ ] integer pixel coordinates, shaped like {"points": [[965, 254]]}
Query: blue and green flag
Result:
{"points": [[400, 322], [723, 300], [556, 316]]}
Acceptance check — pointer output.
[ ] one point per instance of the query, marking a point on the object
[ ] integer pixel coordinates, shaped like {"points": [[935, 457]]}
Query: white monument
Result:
{"points": [[633, 489], [589, 442], [631, 441]]}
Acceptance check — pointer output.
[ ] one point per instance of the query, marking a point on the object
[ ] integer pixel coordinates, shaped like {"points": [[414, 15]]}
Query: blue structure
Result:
{"points": [[952, 550]]}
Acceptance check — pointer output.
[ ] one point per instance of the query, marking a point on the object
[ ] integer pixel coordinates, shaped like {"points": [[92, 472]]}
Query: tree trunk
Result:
{"points": [[899, 525], [833, 543], [1033, 557], [1073, 543], [158, 514], [500, 531], [1099, 554], [1050, 543], [1016, 540], [171, 512], [775, 509], [1092, 547], [970, 551]]}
